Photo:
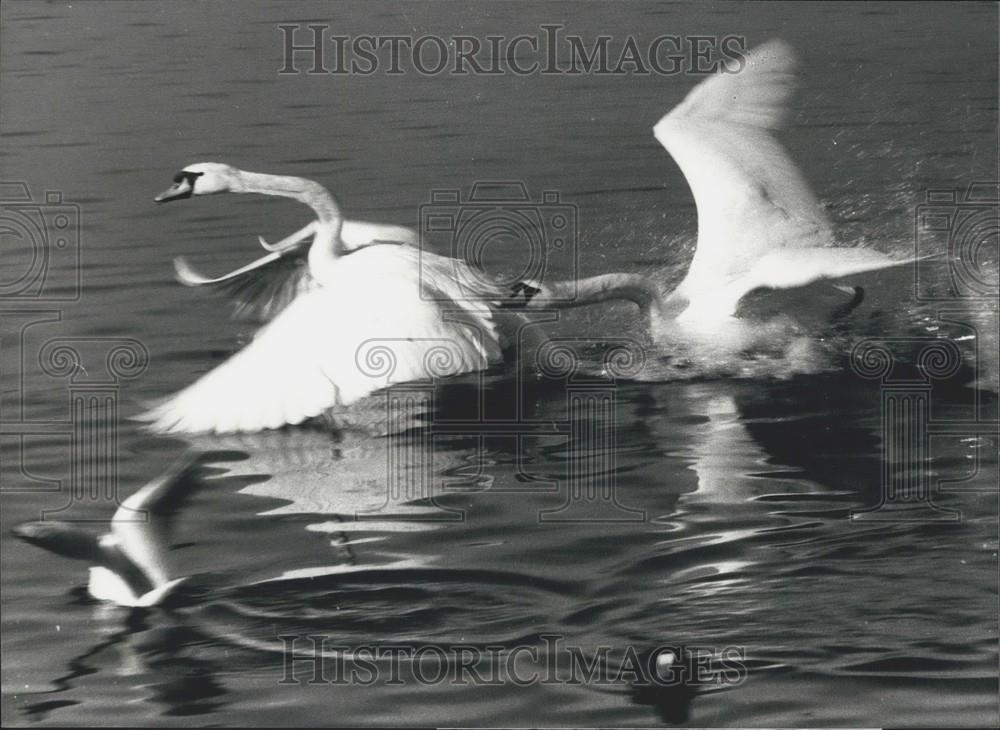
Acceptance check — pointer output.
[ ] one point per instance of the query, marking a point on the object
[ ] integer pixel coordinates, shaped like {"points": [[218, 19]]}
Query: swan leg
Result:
{"points": [[289, 241]]}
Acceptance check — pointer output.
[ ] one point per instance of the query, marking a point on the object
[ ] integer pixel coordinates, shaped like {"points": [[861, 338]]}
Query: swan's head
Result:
{"points": [[523, 292], [201, 178]]}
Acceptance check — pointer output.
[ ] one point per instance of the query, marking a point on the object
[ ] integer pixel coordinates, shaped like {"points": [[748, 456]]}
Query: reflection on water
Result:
{"points": [[731, 467], [746, 548]]}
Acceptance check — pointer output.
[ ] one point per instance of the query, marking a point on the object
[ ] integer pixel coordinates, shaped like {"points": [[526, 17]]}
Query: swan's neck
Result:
{"points": [[309, 192], [325, 249], [326, 245], [601, 288], [604, 287]]}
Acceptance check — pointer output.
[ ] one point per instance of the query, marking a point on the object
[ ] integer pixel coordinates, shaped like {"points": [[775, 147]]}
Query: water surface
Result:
{"points": [[734, 478]]}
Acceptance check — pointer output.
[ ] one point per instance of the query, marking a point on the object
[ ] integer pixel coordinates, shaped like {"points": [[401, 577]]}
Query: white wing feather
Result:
{"points": [[753, 203], [390, 314], [262, 289], [141, 524]]}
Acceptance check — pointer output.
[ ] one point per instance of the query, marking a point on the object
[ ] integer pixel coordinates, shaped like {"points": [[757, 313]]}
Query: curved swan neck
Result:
{"points": [[634, 287], [604, 287], [309, 192]]}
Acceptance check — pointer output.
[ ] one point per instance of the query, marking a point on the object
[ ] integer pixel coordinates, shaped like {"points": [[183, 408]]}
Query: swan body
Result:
{"points": [[759, 224], [353, 234], [128, 564], [342, 320]]}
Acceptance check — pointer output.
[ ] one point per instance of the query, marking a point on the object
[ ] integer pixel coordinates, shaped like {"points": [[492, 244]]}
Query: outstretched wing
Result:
{"points": [[265, 287], [261, 290], [141, 525], [387, 317], [751, 197], [801, 266]]}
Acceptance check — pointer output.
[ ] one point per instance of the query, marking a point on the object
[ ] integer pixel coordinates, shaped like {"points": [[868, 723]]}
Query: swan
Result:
{"points": [[344, 318], [759, 224], [129, 566], [265, 286]]}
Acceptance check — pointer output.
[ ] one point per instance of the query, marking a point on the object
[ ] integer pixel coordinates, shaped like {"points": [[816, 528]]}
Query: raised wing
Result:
{"points": [[392, 314], [751, 197], [263, 288], [141, 525]]}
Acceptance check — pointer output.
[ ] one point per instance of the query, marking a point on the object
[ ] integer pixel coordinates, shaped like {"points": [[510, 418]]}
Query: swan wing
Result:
{"points": [[751, 198], [383, 318], [467, 294], [261, 290]]}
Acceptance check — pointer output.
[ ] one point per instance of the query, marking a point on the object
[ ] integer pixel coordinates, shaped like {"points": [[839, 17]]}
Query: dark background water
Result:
{"points": [[743, 486]]}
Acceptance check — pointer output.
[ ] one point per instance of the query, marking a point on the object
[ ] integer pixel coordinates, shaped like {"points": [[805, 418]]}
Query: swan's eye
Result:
{"points": [[182, 188], [187, 176]]}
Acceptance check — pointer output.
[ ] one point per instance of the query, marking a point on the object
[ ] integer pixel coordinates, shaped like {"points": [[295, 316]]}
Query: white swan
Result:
{"points": [[344, 323], [264, 287], [129, 565], [759, 224]]}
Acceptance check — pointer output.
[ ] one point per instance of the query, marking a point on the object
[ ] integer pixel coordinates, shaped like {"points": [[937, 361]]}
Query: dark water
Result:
{"points": [[734, 480]]}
